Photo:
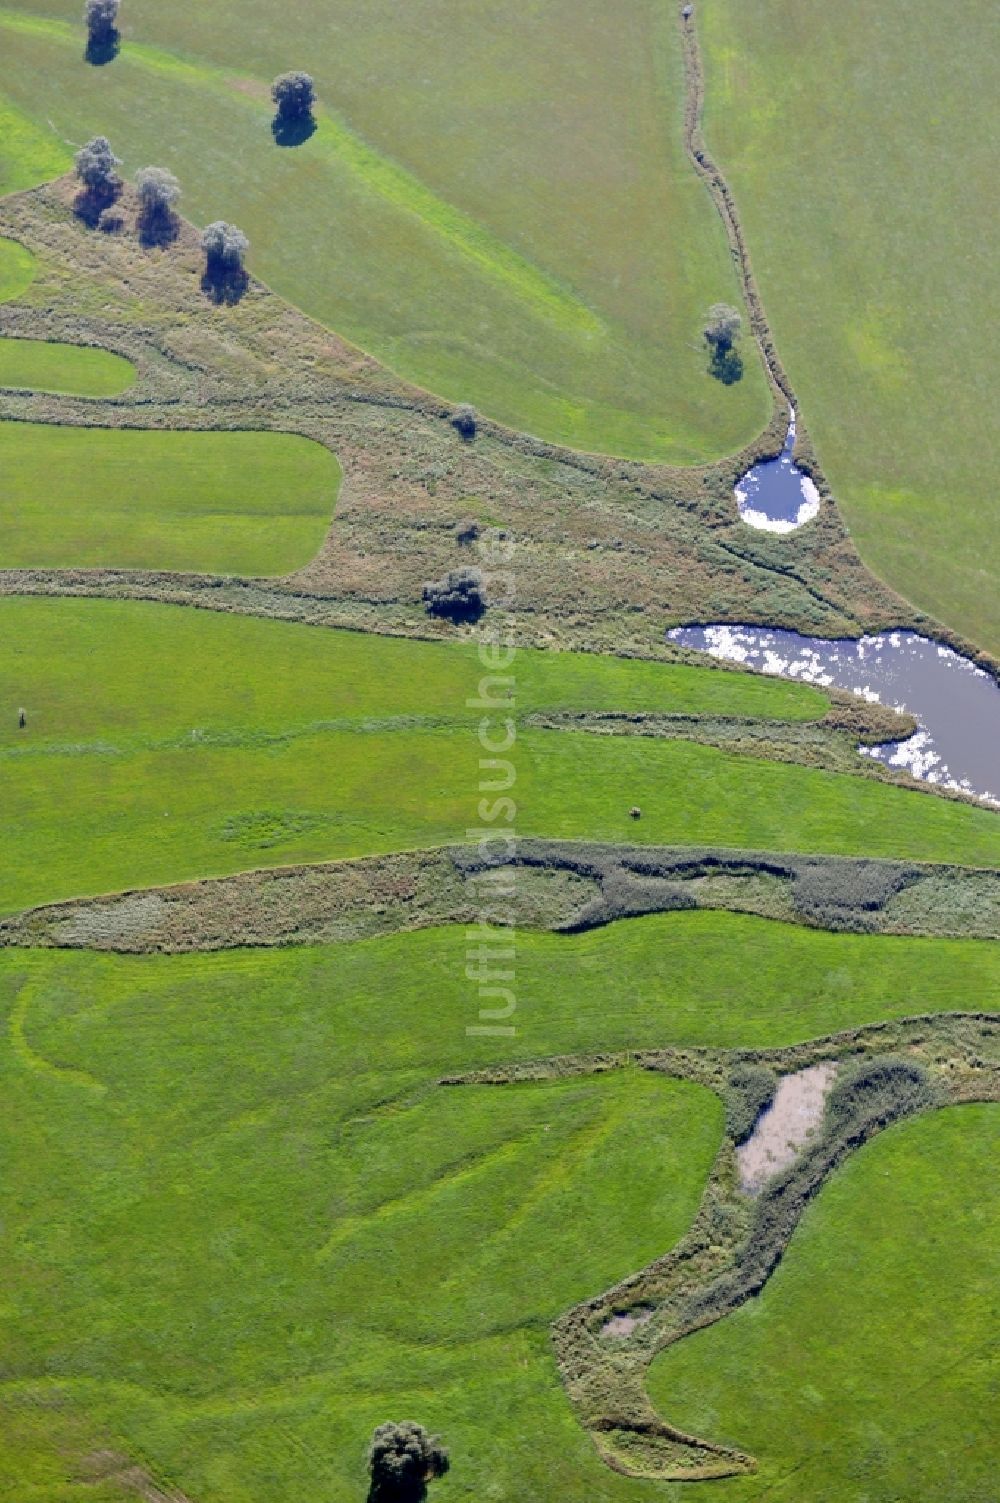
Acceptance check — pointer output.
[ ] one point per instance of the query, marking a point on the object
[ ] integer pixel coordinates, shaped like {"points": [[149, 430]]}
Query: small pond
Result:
{"points": [[956, 704], [775, 496]]}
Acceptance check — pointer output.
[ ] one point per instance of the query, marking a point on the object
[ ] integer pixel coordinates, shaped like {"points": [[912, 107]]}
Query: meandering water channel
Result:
{"points": [[956, 704]]}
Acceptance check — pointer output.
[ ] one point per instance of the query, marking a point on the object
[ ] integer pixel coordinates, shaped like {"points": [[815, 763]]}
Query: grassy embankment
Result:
{"points": [[566, 300], [873, 246], [245, 1224], [865, 1367], [163, 745], [234, 503]]}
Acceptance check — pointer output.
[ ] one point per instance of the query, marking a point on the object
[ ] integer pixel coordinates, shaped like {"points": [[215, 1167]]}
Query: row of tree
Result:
{"points": [[225, 245]]}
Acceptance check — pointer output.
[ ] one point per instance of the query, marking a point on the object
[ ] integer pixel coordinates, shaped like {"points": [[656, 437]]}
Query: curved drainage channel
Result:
{"points": [[776, 496], [956, 704]]}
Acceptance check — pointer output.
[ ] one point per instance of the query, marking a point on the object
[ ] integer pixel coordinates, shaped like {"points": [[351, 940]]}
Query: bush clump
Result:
{"points": [[458, 597], [749, 1093], [402, 1459], [465, 421]]}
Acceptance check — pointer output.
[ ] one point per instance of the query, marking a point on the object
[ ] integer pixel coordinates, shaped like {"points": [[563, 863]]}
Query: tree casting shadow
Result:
{"points": [[103, 49], [224, 284], [292, 132], [726, 365], [90, 203], [160, 227]]}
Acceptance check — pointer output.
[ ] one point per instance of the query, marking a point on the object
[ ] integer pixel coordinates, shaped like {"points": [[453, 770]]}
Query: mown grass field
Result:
{"points": [[245, 1223], [865, 1368], [17, 268], [29, 153], [873, 244], [38, 365], [163, 745], [234, 503], [550, 259]]}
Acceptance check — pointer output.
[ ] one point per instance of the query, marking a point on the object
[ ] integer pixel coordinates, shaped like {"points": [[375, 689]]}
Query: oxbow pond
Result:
{"points": [[956, 704]]}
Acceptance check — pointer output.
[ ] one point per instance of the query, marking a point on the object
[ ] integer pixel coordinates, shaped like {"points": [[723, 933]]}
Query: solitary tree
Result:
{"points": [[721, 333], [294, 95], [224, 246], [100, 17], [402, 1459], [465, 421], [158, 191], [458, 597], [723, 327]]}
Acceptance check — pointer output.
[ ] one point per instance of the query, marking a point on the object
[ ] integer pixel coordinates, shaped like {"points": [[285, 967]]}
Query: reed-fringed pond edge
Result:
{"points": [[775, 495], [955, 703]]}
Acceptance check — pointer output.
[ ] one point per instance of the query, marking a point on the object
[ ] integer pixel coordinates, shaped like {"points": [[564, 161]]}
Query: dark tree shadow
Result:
{"points": [[292, 132], [726, 365], [157, 227], [103, 48], [90, 203], [224, 284]]}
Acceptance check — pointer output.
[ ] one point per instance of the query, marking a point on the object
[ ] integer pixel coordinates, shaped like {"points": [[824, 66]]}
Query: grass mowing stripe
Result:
{"points": [[42, 365], [379, 173]]}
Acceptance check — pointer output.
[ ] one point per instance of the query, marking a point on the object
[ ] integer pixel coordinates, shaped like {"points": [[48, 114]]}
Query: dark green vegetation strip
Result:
{"points": [[232, 502], [883, 224], [872, 1370], [521, 305], [37, 365], [158, 754], [568, 887]]}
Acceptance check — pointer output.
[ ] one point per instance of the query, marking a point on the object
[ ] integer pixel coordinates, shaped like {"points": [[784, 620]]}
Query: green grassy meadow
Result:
{"points": [[565, 297], [17, 269], [165, 744], [37, 365], [29, 154], [236, 503], [864, 1369], [245, 1223], [242, 1221], [872, 239]]}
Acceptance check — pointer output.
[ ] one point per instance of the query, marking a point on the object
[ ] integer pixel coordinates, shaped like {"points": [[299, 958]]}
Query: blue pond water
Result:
{"points": [[956, 704], [775, 496]]}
